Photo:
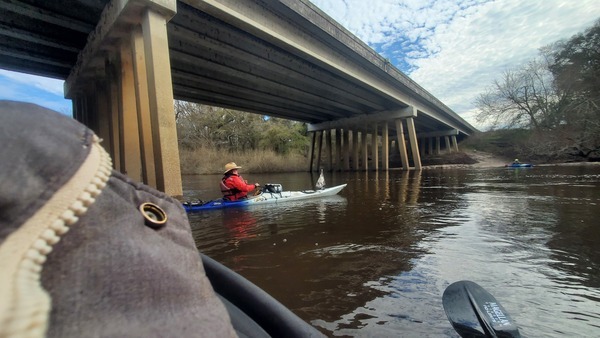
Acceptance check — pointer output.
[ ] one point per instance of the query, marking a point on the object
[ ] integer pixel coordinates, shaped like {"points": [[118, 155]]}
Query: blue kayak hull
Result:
{"points": [[519, 165]]}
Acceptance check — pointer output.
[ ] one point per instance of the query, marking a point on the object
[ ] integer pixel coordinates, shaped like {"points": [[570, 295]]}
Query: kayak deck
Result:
{"points": [[263, 198]]}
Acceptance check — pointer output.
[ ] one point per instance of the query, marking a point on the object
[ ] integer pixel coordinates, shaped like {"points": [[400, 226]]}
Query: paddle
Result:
{"points": [[474, 312]]}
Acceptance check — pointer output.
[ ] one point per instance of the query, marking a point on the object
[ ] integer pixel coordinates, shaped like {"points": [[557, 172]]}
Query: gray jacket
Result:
{"points": [[84, 251]]}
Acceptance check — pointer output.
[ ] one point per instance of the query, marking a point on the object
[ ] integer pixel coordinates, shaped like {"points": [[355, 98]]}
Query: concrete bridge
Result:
{"points": [[125, 61]]}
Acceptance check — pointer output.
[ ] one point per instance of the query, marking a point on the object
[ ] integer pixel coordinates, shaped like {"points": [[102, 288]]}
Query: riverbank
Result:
{"points": [[210, 161], [480, 159]]}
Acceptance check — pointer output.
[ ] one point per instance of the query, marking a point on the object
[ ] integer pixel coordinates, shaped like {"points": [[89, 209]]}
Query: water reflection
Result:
{"points": [[240, 224], [375, 260]]}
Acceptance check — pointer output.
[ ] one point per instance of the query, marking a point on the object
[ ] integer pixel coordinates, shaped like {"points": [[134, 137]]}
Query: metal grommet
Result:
{"points": [[154, 215]]}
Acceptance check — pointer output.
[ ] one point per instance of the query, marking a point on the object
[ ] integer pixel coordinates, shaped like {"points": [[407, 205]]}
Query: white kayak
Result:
{"points": [[266, 196]]}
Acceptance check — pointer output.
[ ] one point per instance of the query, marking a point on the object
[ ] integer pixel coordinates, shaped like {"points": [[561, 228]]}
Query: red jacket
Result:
{"points": [[234, 187]]}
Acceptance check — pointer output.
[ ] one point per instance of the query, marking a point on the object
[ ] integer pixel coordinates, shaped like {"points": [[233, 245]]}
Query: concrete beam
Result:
{"points": [[209, 47], [364, 120], [414, 146], [439, 133], [160, 95], [326, 44], [116, 22], [401, 144], [267, 25]]}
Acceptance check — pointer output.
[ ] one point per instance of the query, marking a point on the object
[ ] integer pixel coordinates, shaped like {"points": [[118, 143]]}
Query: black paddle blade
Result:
{"points": [[474, 312]]}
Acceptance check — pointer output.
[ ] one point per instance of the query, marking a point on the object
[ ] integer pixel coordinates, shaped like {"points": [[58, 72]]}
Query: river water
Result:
{"points": [[375, 260]]}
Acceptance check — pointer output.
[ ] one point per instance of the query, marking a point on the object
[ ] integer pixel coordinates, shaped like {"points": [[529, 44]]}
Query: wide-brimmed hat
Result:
{"points": [[230, 166]]}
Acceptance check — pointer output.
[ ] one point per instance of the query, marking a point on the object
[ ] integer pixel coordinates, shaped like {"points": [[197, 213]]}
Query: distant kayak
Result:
{"points": [[519, 165], [265, 197]]}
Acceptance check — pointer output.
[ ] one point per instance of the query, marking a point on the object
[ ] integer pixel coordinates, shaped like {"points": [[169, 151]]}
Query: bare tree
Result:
{"points": [[523, 98], [556, 98]]}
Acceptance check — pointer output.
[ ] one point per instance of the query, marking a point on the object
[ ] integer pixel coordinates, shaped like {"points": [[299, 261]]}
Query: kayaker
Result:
{"points": [[233, 186]]}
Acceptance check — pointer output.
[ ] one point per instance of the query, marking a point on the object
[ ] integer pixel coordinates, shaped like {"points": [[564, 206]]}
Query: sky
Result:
{"points": [[36, 89], [454, 49]]}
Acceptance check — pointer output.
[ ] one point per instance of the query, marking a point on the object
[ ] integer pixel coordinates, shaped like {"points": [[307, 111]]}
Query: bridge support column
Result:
{"points": [[311, 153], [430, 145], [143, 108], [133, 111], [447, 144], [101, 108], [412, 135], [365, 153], [131, 163], [402, 144], [338, 149], [385, 150], [375, 147], [355, 150], [454, 143], [113, 118], [319, 148], [327, 134], [160, 94], [347, 135]]}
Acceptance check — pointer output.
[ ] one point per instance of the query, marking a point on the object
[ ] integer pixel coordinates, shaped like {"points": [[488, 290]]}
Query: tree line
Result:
{"points": [[229, 130], [554, 97]]}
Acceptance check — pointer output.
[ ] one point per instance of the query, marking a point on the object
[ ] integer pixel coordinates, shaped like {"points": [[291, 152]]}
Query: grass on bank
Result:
{"points": [[203, 161]]}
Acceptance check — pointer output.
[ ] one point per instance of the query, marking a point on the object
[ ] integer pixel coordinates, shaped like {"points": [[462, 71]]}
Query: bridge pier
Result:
{"points": [[119, 89], [375, 147], [351, 141], [385, 147], [435, 138], [364, 151]]}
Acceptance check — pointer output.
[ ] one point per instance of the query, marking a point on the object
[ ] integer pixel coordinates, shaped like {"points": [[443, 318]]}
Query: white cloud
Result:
{"points": [[452, 48], [456, 48]]}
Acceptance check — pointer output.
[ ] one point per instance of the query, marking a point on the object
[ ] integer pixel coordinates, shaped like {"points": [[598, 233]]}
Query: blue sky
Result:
{"points": [[36, 89], [452, 48], [456, 48]]}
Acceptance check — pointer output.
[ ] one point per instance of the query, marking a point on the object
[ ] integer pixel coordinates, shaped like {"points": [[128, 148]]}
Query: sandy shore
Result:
{"points": [[486, 160]]}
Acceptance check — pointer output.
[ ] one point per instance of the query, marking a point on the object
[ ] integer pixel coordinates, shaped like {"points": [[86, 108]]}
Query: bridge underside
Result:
{"points": [[125, 61]]}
